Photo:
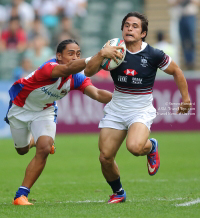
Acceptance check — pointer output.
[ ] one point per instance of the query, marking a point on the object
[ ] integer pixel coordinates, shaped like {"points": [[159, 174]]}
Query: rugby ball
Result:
{"points": [[110, 64]]}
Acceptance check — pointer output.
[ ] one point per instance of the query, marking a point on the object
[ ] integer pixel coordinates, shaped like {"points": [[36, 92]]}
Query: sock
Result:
{"points": [[116, 186], [22, 191], [153, 146]]}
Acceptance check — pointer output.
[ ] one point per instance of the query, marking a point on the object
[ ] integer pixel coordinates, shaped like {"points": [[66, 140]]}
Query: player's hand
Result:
{"points": [[184, 107], [111, 52]]}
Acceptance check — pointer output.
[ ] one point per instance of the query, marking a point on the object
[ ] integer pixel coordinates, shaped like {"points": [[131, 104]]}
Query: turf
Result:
{"points": [[72, 184]]}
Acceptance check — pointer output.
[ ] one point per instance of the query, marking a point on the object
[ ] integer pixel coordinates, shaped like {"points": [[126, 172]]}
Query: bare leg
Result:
{"points": [[37, 164], [110, 141], [137, 140]]}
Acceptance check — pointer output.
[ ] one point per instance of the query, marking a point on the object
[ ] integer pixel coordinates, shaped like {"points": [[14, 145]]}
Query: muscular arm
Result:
{"points": [[64, 70], [94, 64], [108, 51], [181, 82], [100, 95]]}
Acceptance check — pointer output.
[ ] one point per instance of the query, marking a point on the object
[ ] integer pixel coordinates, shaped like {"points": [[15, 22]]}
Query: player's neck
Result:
{"points": [[134, 46]]}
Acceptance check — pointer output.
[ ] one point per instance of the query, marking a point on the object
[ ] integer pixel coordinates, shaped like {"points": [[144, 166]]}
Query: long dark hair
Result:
{"points": [[62, 45]]}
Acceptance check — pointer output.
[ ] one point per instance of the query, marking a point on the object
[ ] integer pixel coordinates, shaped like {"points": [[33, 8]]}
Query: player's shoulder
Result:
{"points": [[50, 62], [154, 52]]}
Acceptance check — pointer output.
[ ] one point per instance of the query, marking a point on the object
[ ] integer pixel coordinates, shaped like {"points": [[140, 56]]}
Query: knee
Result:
{"points": [[135, 148], [105, 159], [22, 151], [43, 147]]}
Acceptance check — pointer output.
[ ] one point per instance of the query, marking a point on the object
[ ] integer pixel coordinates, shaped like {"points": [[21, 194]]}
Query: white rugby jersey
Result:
{"points": [[134, 78], [39, 90]]}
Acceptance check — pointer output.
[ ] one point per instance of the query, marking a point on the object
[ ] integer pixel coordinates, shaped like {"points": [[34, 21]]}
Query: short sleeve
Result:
{"points": [[162, 60], [44, 71], [80, 82]]}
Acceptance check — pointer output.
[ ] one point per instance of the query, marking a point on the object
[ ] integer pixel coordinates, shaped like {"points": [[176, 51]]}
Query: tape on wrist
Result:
{"points": [[87, 59]]}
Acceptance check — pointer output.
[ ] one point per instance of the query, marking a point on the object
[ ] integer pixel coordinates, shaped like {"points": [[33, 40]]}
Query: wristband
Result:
{"points": [[87, 60]]}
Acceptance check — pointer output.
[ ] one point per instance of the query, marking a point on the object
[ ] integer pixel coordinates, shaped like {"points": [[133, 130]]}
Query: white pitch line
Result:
{"points": [[197, 201]]}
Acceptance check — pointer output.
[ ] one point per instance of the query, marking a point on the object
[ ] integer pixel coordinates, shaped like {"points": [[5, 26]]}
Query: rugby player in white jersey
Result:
{"points": [[33, 110], [130, 113]]}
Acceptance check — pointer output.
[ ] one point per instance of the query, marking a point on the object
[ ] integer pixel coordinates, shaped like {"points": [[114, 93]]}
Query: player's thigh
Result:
{"points": [[137, 135], [110, 141], [43, 128], [20, 133]]}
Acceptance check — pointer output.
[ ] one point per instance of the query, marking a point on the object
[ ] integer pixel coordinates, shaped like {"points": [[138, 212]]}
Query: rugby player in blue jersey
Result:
{"points": [[130, 113]]}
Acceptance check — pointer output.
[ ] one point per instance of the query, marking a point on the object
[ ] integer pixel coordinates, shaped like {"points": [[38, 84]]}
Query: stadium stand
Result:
{"points": [[158, 15]]}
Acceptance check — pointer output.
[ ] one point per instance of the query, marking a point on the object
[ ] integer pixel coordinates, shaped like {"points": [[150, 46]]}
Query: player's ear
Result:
{"points": [[59, 56], [143, 34]]}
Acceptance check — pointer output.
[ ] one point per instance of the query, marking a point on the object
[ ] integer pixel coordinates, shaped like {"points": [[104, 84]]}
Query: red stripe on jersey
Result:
{"points": [[64, 79], [164, 62], [71, 83], [135, 93], [128, 87]]}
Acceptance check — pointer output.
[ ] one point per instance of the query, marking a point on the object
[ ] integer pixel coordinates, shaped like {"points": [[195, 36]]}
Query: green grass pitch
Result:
{"points": [[72, 185]]}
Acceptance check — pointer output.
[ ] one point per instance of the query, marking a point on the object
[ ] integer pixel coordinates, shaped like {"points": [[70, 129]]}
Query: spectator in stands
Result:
{"points": [[3, 16], [38, 29], [23, 70], [65, 28], [48, 10], [187, 11], [14, 37], [74, 8], [39, 53], [165, 46], [24, 10]]}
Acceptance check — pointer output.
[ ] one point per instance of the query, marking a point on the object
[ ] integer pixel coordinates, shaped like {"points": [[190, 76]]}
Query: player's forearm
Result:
{"points": [[75, 66], [182, 85], [93, 65], [104, 96]]}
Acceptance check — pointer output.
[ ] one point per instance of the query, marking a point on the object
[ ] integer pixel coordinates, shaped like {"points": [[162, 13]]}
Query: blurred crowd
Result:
{"points": [[31, 30], [182, 31]]}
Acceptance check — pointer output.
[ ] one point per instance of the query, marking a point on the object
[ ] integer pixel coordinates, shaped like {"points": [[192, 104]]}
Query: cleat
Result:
{"points": [[22, 200], [153, 158], [117, 198], [53, 149]]}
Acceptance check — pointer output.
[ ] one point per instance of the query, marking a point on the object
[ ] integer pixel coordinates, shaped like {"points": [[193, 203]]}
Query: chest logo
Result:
{"points": [[144, 62], [130, 72], [64, 92]]}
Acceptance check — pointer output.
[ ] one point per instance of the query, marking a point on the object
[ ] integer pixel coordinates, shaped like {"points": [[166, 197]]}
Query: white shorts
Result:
{"points": [[122, 120], [23, 123]]}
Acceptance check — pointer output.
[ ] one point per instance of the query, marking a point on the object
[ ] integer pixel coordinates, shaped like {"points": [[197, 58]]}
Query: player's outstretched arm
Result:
{"points": [[108, 51], [100, 95], [181, 82], [64, 70]]}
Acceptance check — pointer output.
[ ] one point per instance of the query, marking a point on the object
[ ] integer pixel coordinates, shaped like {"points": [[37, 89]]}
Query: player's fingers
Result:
{"points": [[179, 110], [115, 59], [118, 47], [107, 43], [119, 55]]}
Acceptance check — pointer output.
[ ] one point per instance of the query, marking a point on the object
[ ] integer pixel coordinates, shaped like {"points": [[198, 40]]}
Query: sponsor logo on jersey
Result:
{"points": [[53, 63], [64, 92], [51, 94], [144, 62], [122, 79], [130, 72], [136, 80]]}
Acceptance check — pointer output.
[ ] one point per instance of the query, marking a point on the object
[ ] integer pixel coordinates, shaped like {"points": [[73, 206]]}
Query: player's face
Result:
{"points": [[132, 30], [70, 53]]}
